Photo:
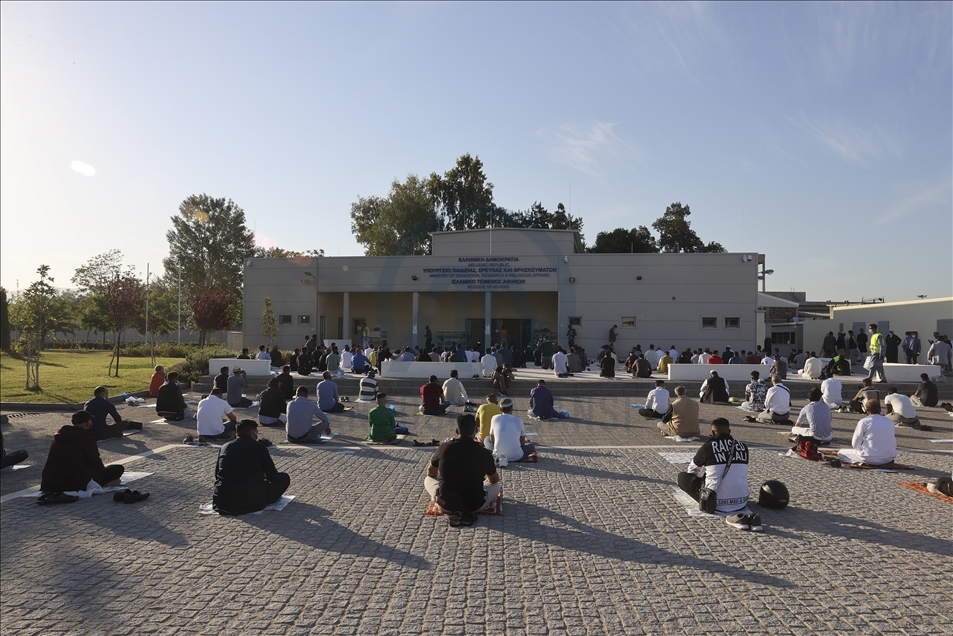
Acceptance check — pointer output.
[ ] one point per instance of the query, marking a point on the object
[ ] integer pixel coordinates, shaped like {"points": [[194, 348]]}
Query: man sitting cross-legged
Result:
{"points": [[507, 436], [382, 422], [485, 415], [99, 407], [73, 461], [710, 468], [454, 392], [864, 395], [681, 419], [328, 398], [300, 413], [656, 405], [873, 441], [777, 403], [926, 394], [171, 404], [455, 475], [542, 404], [813, 424], [272, 407], [213, 411], [246, 479], [431, 398]]}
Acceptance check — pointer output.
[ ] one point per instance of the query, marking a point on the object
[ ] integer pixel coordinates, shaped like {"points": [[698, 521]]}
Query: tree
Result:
{"points": [[399, 224], [124, 297], [163, 310], [637, 240], [463, 195], [211, 310], [277, 252], [209, 243], [676, 234], [269, 326], [35, 314]]}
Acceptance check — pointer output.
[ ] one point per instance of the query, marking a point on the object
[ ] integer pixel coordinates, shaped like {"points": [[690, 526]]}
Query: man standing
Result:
{"points": [[681, 419], [612, 334], [428, 338], [656, 405], [431, 398], [777, 403], [893, 347], [852, 346], [236, 386], [170, 404], [246, 479], [911, 347], [721, 464], [366, 336], [877, 350], [213, 411], [300, 413], [861, 344], [382, 422], [455, 475], [328, 399], [873, 442], [542, 404], [99, 407], [74, 460], [507, 438], [830, 345]]}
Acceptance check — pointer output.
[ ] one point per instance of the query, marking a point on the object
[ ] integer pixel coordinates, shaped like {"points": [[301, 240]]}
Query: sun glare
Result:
{"points": [[83, 168]]}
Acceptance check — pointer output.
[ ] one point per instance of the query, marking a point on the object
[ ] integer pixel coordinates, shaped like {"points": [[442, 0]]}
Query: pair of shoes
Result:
{"points": [[834, 463], [129, 496], [134, 426], [748, 418], [467, 518], [745, 522], [55, 498], [454, 519]]}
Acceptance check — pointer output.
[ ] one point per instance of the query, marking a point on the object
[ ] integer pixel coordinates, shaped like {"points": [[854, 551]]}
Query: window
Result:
{"points": [[628, 321], [575, 321], [284, 319], [732, 323], [304, 320], [709, 323]]}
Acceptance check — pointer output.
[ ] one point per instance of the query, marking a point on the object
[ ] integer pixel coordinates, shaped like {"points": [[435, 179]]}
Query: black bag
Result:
{"points": [[708, 498]]}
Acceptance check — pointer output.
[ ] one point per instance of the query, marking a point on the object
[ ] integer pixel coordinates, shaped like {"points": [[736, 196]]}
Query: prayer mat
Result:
{"points": [[691, 506], [325, 438], [395, 442], [676, 438], [206, 509], [495, 509], [637, 406], [162, 420], [677, 458], [831, 454], [923, 488], [124, 434], [10, 469], [95, 489]]}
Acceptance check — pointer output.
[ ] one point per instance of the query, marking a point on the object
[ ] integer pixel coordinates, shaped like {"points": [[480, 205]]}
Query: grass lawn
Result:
{"points": [[71, 376]]}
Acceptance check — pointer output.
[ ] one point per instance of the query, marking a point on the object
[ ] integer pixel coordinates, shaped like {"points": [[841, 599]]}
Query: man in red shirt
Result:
{"points": [[431, 398], [158, 379], [716, 359]]}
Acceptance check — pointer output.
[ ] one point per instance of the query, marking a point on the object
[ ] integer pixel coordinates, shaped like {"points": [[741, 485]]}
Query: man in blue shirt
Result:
{"points": [[328, 395]]}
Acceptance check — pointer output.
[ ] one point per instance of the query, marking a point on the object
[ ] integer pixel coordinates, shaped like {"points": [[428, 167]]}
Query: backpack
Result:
{"points": [[807, 448]]}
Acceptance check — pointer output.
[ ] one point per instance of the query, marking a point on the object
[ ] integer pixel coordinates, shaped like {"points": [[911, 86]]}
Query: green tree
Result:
{"points": [[676, 233], [620, 240], [269, 326], [209, 242], [212, 309], [124, 298], [35, 313], [399, 224], [463, 195]]}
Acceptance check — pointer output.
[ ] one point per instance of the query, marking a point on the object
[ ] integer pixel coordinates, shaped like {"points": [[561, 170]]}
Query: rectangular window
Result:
{"points": [[575, 321], [732, 323], [628, 321], [284, 319], [304, 320], [709, 323]]}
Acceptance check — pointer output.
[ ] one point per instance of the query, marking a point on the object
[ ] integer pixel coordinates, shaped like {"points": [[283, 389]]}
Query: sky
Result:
{"points": [[818, 134]]}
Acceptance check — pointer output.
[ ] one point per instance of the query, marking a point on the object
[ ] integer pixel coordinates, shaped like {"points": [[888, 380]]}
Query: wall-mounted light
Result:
{"points": [[572, 279], [413, 277]]}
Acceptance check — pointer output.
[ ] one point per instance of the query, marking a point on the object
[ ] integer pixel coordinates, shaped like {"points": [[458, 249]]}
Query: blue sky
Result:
{"points": [[817, 133]]}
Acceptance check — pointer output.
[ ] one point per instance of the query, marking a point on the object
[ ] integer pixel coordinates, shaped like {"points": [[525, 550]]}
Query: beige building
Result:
{"points": [[511, 285]]}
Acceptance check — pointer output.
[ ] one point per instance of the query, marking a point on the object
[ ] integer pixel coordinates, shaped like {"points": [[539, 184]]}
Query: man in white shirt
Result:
{"points": [[454, 392], [703, 357], [767, 360], [507, 437], [831, 392], [561, 363], [489, 362], [777, 403], [900, 409], [346, 356], [813, 367], [212, 413], [873, 442], [300, 413], [656, 405], [652, 356], [814, 420]]}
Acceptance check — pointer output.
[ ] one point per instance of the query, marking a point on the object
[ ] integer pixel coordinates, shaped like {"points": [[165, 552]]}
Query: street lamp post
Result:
{"points": [[764, 273]]}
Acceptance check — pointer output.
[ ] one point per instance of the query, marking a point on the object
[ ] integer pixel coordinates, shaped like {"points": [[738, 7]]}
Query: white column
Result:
{"points": [[347, 317], [486, 320], [415, 330]]}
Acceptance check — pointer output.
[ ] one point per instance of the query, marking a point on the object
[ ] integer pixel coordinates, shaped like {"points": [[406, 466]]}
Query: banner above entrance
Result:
{"points": [[492, 272]]}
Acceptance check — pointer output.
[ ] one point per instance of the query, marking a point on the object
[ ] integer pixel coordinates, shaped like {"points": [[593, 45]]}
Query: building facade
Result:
{"points": [[509, 285]]}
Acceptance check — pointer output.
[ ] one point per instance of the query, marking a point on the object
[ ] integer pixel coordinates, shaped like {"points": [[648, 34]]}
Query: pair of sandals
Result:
{"points": [[464, 518], [129, 496], [433, 442]]}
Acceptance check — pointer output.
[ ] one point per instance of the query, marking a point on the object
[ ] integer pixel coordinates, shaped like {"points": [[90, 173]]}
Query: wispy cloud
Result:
{"points": [[939, 193], [854, 143], [592, 148]]}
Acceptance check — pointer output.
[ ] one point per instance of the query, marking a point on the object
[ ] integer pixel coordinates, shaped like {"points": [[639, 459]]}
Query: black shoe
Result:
{"points": [[265, 442], [467, 518], [135, 426], [134, 496], [120, 497], [55, 498], [189, 440], [454, 520], [755, 522]]}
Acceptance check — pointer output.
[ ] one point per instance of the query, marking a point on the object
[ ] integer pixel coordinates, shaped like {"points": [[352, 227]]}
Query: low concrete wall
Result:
{"points": [[398, 369], [251, 367], [895, 372]]}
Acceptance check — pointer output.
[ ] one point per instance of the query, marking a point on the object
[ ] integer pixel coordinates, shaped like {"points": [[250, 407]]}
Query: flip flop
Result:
{"points": [[454, 520]]}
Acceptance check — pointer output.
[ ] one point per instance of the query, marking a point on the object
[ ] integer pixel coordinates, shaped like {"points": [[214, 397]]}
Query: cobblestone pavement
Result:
{"points": [[592, 541]]}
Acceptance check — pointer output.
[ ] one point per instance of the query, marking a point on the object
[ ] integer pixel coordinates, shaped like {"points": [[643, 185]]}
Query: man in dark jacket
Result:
{"points": [[170, 404], [221, 380], [74, 459], [99, 407], [272, 408], [246, 479], [286, 383]]}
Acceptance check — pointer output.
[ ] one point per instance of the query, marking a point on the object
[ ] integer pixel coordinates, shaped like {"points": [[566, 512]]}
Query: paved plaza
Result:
{"points": [[591, 540]]}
